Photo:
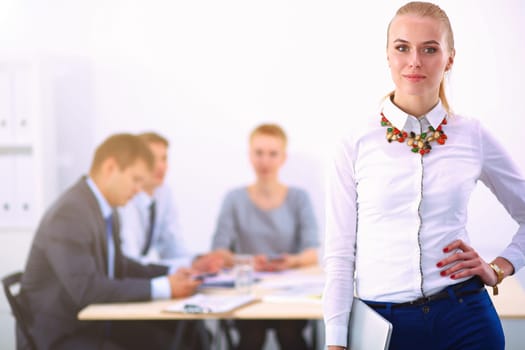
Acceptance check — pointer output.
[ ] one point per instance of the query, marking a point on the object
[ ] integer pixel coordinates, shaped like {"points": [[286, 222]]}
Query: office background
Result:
{"points": [[204, 73]]}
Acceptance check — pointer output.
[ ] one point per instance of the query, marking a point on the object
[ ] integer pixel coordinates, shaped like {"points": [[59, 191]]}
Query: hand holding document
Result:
{"points": [[182, 284]]}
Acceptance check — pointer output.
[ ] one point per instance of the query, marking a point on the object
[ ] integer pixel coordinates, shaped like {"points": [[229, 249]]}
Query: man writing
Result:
{"points": [[76, 260]]}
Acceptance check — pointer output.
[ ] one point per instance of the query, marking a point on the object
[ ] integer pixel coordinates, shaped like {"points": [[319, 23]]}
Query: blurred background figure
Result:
{"points": [[272, 221], [76, 260], [150, 228]]}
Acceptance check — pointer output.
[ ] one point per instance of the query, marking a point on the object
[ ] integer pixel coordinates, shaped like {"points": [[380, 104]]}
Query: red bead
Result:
{"points": [[395, 134]]}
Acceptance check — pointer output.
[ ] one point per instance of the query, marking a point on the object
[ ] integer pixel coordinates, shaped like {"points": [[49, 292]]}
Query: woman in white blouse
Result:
{"points": [[397, 205]]}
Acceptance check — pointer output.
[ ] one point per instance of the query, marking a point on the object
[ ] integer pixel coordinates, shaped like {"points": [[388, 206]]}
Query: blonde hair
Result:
{"points": [[270, 130], [427, 9]]}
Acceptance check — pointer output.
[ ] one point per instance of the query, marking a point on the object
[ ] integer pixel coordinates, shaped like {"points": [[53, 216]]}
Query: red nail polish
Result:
{"points": [[453, 276], [445, 250], [442, 273], [439, 264]]}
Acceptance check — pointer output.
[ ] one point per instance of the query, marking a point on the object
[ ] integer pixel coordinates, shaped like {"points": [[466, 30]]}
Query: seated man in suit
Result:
{"points": [[76, 260], [150, 229]]}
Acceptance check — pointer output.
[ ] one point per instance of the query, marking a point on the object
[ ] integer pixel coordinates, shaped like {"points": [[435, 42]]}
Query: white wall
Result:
{"points": [[204, 73]]}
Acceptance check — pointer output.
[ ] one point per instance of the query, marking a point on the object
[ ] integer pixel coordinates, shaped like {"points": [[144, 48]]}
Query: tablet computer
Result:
{"points": [[367, 330]]}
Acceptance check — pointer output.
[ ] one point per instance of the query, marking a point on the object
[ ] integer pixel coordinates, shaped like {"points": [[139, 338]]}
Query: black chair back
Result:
{"points": [[11, 285]]}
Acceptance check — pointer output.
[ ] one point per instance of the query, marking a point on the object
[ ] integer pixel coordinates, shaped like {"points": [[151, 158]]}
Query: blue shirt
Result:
{"points": [[160, 286], [167, 244]]}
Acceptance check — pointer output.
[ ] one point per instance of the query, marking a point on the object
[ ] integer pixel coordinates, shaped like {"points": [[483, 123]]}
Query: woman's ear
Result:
{"points": [[450, 60]]}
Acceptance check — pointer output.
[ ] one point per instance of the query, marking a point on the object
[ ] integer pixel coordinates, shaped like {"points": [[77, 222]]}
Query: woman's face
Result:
{"points": [[418, 55], [267, 155]]}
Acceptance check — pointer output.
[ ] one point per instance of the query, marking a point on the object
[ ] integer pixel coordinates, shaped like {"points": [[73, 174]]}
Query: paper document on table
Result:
{"points": [[310, 293], [293, 286], [290, 278], [222, 280], [303, 292], [206, 303]]}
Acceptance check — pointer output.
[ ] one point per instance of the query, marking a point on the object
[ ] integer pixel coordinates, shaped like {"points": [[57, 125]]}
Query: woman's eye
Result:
{"points": [[429, 50], [402, 48]]}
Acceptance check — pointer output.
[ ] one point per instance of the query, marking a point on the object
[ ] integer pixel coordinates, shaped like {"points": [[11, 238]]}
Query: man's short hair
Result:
{"points": [[153, 137], [125, 148]]}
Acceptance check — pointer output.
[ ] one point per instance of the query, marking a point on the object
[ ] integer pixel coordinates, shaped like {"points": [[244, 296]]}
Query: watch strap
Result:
{"points": [[500, 274]]}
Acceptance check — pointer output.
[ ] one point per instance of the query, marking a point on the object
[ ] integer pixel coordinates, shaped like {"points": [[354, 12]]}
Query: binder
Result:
{"points": [[6, 115], [23, 101], [24, 190], [7, 165], [367, 330]]}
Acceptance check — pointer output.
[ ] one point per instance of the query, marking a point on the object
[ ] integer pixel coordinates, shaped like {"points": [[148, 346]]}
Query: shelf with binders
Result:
{"points": [[21, 146], [18, 188]]}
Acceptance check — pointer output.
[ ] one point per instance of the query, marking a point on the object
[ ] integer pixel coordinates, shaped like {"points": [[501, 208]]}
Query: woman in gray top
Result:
{"points": [[268, 219]]}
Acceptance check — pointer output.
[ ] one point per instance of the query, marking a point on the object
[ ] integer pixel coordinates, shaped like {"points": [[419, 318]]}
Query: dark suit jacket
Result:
{"points": [[67, 269]]}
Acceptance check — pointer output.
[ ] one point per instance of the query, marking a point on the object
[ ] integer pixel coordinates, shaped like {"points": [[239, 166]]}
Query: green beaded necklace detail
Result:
{"points": [[418, 143]]}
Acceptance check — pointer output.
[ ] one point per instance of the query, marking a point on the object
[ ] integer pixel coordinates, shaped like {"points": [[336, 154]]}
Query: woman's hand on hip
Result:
{"points": [[465, 262]]}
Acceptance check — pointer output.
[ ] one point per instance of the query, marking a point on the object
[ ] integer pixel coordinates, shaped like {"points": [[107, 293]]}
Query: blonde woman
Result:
{"points": [[273, 221], [397, 207]]}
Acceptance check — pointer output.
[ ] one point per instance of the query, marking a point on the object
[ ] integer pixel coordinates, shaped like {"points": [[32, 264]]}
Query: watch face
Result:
{"points": [[498, 270]]}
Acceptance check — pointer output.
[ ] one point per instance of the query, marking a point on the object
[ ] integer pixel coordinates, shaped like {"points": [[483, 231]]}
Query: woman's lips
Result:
{"points": [[414, 77]]}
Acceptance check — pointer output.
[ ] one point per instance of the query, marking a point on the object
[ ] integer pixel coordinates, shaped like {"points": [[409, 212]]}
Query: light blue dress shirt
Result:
{"points": [[167, 244], [160, 286]]}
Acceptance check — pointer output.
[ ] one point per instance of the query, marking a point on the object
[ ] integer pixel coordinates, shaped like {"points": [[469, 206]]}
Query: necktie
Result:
{"points": [[152, 213], [111, 246]]}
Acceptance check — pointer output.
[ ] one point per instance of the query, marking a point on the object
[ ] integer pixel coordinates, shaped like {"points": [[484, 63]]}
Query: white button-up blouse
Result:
{"points": [[390, 212]]}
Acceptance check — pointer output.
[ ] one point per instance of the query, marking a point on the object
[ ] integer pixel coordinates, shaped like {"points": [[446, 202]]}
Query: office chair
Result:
{"points": [[11, 285]]}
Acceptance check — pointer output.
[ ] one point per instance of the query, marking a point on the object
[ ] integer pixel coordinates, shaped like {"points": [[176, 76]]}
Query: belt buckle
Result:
{"points": [[421, 301]]}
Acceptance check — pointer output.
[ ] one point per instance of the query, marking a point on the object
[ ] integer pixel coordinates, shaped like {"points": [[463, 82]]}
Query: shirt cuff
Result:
{"points": [[160, 288], [336, 335], [515, 257]]}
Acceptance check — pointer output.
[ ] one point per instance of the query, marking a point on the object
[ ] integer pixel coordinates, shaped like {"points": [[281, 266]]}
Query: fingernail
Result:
{"points": [[453, 276], [442, 273], [439, 264], [445, 250]]}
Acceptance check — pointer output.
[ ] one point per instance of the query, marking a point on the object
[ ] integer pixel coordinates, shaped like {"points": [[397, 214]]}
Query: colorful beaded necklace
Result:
{"points": [[419, 143]]}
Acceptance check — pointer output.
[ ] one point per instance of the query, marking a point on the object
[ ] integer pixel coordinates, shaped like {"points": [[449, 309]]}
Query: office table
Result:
{"points": [[261, 309], [510, 303], [293, 308]]}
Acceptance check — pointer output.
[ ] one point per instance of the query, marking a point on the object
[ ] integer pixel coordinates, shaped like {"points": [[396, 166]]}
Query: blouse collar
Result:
{"points": [[407, 122]]}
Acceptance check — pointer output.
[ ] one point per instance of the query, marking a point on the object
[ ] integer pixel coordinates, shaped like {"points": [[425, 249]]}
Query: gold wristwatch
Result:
{"points": [[499, 272]]}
